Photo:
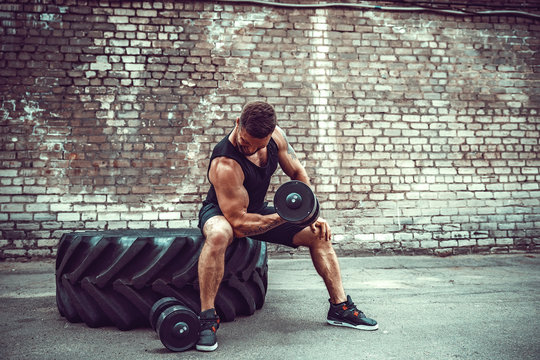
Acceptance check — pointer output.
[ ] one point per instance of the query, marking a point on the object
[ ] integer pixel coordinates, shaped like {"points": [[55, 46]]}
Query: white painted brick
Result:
{"points": [[159, 224], [37, 207], [138, 225], [448, 243], [47, 216], [61, 207], [364, 237], [12, 207], [133, 216], [111, 217], [486, 242], [116, 208], [98, 225], [134, 67], [8, 173], [84, 207], [410, 244], [403, 237], [150, 216], [466, 242], [21, 217], [11, 190], [70, 216], [384, 237], [117, 225], [118, 19], [147, 13], [180, 224], [504, 241], [169, 215], [429, 244], [89, 216]]}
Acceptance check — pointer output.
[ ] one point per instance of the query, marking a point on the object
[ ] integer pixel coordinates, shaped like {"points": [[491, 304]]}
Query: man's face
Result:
{"points": [[249, 145]]}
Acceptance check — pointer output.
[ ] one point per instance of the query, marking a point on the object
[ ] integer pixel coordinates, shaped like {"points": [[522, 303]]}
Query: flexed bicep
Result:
{"points": [[227, 177]]}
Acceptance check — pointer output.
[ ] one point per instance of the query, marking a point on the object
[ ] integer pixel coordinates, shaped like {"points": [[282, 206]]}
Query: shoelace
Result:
{"points": [[351, 308], [210, 324]]}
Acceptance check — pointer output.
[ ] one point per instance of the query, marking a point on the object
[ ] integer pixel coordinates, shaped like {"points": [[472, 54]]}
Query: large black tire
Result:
{"points": [[114, 277]]}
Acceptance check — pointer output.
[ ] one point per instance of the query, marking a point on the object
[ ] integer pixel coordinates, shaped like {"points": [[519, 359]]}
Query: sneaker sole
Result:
{"points": [[207, 348], [359, 327]]}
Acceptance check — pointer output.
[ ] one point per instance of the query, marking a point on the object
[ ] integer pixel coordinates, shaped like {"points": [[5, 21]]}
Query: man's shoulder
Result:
{"points": [[278, 132], [225, 165], [279, 138], [225, 161], [224, 168]]}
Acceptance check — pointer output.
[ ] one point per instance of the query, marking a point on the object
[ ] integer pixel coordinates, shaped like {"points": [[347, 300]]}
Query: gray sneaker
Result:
{"points": [[207, 332]]}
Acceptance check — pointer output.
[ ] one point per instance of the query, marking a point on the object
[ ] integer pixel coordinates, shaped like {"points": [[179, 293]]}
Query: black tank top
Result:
{"points": [[256, 178]]}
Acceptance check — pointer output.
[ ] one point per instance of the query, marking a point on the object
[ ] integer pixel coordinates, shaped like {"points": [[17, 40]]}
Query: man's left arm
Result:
{"points": [[293, 168], [287, 158]]}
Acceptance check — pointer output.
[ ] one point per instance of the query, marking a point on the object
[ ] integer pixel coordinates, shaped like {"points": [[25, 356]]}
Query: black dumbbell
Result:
{"points": [[159, 306], [176, 325], [295, 202]]}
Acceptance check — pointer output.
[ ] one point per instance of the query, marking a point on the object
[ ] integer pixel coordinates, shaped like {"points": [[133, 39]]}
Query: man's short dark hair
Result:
{"points": [[258, 119]]}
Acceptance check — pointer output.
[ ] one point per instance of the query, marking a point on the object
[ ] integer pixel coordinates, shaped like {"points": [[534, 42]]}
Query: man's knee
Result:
{"points": [[312, 239], [218, 234], [219, 240]]}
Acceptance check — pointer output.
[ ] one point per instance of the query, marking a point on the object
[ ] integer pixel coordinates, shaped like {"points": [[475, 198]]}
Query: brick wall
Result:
{"points": [[420, 130]]}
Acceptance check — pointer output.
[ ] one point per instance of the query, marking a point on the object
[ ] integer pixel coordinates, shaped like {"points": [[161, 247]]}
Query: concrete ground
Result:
{"points": [[463, 307]]}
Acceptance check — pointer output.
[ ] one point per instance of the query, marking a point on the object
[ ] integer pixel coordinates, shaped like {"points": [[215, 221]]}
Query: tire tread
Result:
{"points": [[114, 277]]}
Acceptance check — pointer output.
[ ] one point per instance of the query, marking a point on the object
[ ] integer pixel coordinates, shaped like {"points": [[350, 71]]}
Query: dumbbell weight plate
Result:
{"points": [[295, 202], [158, 308], [178, 328], [313, 217]]}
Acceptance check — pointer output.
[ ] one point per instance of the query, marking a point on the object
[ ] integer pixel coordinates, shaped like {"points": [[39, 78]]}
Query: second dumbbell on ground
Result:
{"points": [[176, 325]]}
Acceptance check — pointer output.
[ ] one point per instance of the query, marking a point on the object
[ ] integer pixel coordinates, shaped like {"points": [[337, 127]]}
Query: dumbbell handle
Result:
{"points": [[312, 217], [295, 202]]}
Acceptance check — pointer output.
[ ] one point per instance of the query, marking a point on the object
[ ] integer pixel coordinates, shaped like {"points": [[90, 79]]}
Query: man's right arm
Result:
{"points": [[227, 177]]}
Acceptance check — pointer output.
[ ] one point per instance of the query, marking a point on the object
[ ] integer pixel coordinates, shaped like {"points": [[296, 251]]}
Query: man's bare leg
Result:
{"points": [[218, 236], [325, 261]]}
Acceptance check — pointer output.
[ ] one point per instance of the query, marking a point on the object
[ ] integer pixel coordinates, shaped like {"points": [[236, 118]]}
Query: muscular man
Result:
{"points": [[240, 169]]}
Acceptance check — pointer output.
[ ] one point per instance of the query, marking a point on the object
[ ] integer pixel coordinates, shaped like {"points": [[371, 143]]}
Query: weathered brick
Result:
{"points": [[391, 126], [118, 19], [61, 207], [138, 224], [70, 216]]}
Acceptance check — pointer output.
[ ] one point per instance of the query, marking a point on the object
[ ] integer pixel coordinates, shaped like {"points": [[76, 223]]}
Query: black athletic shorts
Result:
{"points": [[282, 234]]}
